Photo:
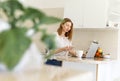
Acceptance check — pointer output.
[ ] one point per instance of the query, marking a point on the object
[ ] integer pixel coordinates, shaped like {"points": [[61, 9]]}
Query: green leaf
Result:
{"points": [[13, 44], [32, 14], [37, 17], [50, 54], [10, 6], [49, 20], [49, 40]]}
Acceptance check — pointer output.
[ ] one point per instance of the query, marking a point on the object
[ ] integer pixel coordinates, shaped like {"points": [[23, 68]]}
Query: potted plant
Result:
{"points": [[16, 40]]}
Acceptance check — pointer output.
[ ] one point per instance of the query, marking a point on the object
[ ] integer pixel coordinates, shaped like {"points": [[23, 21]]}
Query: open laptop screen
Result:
{"points": [[92, 49]]}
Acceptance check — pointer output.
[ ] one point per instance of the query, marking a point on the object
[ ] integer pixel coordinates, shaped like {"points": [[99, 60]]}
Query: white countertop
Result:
{"points": [[85, 60], [48, 73]]}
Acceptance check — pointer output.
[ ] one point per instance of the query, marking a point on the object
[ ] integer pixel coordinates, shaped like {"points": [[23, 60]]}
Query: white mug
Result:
{"points": [[79, 53]]}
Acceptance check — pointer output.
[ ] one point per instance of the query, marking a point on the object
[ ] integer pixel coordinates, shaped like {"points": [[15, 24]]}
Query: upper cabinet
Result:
{"points": [[87, 13], [114, 13], [74, 11]]}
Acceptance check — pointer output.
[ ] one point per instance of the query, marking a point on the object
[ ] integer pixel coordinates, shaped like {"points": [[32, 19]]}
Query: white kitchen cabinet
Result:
{"points": [[74, 11], [101, 72], [101, 68], [87, 13]]}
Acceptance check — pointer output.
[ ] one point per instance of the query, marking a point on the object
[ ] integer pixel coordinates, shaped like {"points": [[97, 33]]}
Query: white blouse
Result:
{"points": [[62, 42]]}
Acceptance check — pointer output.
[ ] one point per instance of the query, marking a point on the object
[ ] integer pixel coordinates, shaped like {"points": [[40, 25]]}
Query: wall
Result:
{"points": [[44, 3], [82, 38], [56, 12], [108, 39]]}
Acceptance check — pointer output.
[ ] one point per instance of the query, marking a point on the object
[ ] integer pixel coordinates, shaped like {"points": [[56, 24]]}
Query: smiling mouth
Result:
{"points": [[67, 30]]}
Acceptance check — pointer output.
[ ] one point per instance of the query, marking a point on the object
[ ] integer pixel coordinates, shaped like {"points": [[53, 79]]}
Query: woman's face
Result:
{"points": [[66, 27]]}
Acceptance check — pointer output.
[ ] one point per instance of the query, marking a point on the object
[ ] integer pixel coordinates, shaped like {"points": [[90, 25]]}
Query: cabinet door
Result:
{"points": [[74, 11], [87, 13], [95, 13], [82, 67]]}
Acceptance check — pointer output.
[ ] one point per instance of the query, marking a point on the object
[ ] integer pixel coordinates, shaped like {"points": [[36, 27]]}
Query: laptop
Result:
{"points": [[92, 50]]}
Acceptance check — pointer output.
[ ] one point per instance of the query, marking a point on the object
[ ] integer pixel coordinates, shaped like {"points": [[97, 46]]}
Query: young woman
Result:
{"points": [[64, 38]]}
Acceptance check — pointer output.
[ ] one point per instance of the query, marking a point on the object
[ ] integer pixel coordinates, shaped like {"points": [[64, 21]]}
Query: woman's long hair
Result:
{"points": [[69, 33]]}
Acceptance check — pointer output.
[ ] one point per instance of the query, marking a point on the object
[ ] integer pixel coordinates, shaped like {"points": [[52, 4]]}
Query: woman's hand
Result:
{"points": [[67, 48], [72, 52]]}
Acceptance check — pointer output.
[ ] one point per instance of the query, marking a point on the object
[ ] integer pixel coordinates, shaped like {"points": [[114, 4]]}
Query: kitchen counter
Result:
{"points": [[85, 60], [97, 66], [48, 73]]}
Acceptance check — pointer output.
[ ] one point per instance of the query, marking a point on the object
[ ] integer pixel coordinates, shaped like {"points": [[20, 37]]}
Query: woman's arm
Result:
{"points": [[72, 52], [69, 49], [61, 49]]}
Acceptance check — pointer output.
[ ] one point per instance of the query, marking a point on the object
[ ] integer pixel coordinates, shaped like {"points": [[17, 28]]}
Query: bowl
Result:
{"points": [[106, 56], [79, 53]]}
